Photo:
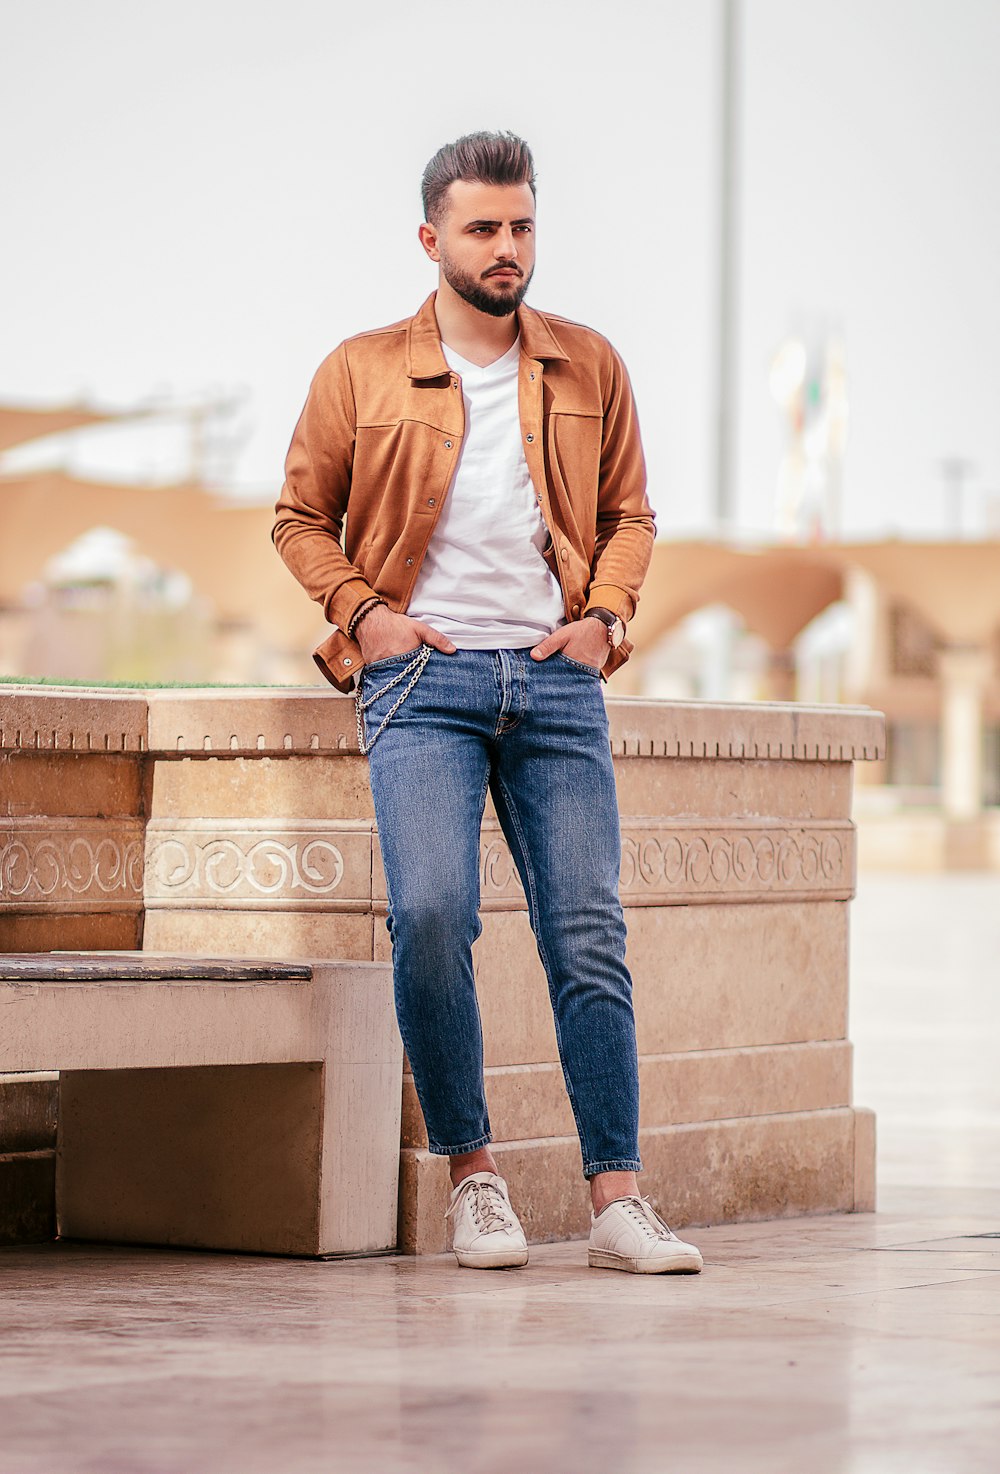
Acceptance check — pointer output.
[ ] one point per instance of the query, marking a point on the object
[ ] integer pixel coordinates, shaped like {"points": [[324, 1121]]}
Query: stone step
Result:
{"points": [[705, 1172], [706, 1085]]}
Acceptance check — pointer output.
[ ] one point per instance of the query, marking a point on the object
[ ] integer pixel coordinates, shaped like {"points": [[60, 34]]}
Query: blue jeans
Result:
{"points": [[536, 735]]}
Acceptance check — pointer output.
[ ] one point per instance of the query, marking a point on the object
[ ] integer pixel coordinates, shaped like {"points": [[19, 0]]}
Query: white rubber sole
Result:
{"points": [[679, 1264], [499, 1259]]}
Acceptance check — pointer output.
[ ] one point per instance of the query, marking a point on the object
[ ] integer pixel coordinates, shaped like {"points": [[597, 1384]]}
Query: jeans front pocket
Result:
{"points": [[388, 660], [406, 667], [592, 670]]}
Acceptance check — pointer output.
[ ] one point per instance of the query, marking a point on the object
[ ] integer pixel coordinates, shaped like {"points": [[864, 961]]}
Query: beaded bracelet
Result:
{"points": [[360, 613]]}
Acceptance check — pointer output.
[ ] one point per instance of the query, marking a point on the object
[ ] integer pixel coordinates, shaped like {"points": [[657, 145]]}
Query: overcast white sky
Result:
{"points": [[213, 194]]}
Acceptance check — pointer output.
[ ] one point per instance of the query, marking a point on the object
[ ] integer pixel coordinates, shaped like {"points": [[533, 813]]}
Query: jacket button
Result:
{"points": [[447, 445], [348, 660], [531, 376], [529, 438], [565, 554], [432, 501], [409, 562], [576, 608]]}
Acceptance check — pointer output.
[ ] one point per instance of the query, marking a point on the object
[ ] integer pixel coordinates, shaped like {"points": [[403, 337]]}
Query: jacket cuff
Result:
{"points": [[341, 607], [616, 659], [339, 659], [610, 596]]}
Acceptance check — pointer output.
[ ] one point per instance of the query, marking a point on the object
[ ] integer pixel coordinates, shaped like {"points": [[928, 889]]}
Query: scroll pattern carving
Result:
{"points": [[85, 864], [752, 860], [684, 862], [265, 867], [219, 863], [498, 876]]}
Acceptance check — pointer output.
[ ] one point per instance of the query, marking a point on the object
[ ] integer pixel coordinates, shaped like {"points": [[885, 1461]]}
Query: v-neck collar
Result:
{"points": [[465, 366]]}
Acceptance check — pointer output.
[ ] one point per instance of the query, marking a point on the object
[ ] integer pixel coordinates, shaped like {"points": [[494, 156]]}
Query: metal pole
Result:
{"points": [[956, 472], [728, 255]]}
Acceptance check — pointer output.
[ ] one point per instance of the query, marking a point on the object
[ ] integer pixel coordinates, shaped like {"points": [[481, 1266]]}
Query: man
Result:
{"points": [[486, 458]]}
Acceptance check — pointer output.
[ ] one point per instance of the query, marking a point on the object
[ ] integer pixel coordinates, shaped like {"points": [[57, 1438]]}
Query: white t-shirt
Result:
{"points": [[483, 581]]}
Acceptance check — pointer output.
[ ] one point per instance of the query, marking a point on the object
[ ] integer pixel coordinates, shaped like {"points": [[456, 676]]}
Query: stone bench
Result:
{"points": [[228, 1104]]}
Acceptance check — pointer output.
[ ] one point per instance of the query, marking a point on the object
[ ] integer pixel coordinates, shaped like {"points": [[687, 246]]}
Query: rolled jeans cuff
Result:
{"points": [[623, 1164], [458, 1151]]}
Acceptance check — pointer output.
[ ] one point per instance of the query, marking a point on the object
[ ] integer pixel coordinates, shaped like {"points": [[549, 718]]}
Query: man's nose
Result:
{"points": [[504, 245]]}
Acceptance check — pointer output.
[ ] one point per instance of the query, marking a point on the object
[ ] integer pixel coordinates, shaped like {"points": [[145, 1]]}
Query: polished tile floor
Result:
{"points": [[851, 1345]]}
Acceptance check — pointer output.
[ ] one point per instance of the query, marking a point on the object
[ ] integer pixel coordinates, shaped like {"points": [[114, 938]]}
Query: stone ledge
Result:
{"points": [[212, 722], [218, 723], [762, 730], [78, 719]]}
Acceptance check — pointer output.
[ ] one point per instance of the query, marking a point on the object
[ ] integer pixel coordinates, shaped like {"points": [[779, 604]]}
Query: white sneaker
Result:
{"points": [[628, 1235], [486, 1233]]}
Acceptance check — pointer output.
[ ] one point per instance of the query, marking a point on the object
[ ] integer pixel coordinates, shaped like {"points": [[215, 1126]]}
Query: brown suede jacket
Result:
{"points": [[377, 445]]}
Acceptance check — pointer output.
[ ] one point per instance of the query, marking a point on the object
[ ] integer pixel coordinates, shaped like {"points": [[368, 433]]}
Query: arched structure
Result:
{"points": [[222, 546], [777, 591], [949, 592], [21, 423]]}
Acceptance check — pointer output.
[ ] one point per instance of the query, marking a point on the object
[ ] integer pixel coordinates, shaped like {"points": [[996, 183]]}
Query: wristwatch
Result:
{"points": [[611, 622]]}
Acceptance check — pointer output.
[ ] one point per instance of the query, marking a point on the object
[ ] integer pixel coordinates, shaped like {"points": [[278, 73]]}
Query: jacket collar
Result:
{"points": [[426, 360]]}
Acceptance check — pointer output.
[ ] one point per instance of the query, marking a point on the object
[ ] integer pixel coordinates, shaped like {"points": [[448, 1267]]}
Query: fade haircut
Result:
{"points": [[480, 158]]}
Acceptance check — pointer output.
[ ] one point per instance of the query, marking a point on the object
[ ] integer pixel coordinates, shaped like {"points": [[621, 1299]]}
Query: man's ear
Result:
{"points": [[429, 240]]}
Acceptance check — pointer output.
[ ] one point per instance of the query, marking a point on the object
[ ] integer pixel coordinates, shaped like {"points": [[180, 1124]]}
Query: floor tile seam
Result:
{"points": [[956, 1277], [985, 1268], [937, 1238], [787, 1257], [812, 1296], [839, 1228], [790, 1253]]}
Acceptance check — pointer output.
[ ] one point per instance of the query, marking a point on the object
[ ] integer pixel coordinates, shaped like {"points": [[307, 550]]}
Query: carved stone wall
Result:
{"points": [[271, 865], [698, 861], [71, 864], [680, 863], [241, 824]]}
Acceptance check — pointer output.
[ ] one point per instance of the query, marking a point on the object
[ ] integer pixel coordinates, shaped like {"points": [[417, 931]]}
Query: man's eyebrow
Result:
{"points": [[525, 220]]}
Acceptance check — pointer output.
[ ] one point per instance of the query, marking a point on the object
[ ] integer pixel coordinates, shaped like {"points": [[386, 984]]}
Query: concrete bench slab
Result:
{"points": [[215, 1103]]}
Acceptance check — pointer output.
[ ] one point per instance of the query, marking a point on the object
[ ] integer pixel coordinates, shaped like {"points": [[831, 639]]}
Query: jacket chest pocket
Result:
{"points": [[401, 473], [573, 457]]}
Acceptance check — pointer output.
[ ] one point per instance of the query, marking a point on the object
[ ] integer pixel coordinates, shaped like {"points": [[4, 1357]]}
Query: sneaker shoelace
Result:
{"points": [[650, 1223], [489, 1206]]}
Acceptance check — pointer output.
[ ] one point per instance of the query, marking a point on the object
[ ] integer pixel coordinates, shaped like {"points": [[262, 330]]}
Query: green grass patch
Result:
{"points": [[149, 685]]}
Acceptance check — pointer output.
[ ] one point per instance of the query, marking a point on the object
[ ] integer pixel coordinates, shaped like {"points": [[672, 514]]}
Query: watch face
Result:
{"points": [[611, 622]]}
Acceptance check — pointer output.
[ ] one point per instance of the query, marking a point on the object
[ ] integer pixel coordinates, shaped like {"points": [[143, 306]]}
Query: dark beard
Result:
{"points": [[478, 294]]}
